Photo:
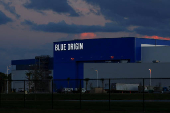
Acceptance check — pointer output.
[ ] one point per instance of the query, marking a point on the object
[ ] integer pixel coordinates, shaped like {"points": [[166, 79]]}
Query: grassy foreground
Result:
{"points": [[62, 104], [96, 106], [65, 111], [115, 96]]}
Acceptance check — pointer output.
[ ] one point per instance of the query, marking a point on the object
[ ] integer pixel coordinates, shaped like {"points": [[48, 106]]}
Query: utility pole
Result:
{"points": [[7, 78]]}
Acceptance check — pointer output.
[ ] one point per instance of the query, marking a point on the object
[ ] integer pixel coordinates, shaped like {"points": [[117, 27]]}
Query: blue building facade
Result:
{"points": [[68, 61], [69, 56]]}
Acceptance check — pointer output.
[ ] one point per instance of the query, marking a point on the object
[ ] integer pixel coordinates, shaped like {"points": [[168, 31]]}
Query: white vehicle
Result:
{"points": [[124, 87], [83, 90], [67, 90]]}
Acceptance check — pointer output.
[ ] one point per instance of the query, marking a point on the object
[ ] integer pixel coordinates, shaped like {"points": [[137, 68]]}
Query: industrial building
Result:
{"points": [[126, 57]]}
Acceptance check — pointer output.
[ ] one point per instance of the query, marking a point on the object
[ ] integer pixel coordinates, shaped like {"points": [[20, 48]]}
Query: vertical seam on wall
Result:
{"points": [[155, 42], [77, 70]]}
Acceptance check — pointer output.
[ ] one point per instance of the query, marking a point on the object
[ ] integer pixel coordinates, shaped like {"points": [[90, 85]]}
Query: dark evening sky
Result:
{"points": [[28, 28]]}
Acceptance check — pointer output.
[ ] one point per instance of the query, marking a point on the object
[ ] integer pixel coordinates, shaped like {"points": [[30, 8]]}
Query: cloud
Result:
{"points": [[62, 27], [9, 8], [28, 22], [4, 19], [59, 6], [152, 15], [87, 35], [157, 37]]}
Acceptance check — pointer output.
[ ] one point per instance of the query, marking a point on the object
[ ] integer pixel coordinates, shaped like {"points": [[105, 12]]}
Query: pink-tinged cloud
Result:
{"points": [[87, 35], [157, 37]]}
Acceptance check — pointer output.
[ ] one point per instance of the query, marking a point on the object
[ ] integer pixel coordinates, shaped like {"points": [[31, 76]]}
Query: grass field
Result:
{"points": [[60, 102], [115, 96], [66, 111], [104, 106]]}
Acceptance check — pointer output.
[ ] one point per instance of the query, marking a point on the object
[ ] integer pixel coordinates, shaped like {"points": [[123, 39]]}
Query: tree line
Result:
{"points": [[3, 82]]}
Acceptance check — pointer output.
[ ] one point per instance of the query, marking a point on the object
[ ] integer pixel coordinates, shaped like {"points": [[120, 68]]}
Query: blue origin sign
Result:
{"points": [[71, 46]]}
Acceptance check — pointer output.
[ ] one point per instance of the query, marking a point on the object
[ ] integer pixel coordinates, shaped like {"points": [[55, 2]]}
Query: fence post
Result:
{"points": [[143, 95], [52, 94], [24, 93], [80, 93], [0, 91], [35, 81], [109, 93]]}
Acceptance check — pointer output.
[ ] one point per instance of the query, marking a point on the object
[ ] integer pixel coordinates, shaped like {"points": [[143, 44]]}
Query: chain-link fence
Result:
{"points": [[119, 94]]}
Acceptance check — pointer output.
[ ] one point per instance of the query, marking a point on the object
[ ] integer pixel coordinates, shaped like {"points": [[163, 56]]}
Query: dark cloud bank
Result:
{"points": [[62, 27], [9, 8], [59, 6], [4, 19], [152, 16]]}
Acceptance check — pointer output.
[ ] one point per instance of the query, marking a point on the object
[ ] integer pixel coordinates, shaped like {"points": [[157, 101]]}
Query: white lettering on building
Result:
{"points": [[81, 45], [57, 47], [68, 46], [64, 47], [71, 46]]}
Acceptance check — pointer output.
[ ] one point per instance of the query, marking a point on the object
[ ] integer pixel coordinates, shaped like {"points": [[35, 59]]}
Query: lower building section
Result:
{"points": [[118, 72], [18, 78], [123, 72]]}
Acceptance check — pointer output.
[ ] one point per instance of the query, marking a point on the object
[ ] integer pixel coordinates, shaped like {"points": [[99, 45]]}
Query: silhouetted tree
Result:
{"points": [[3, 82], [37, 78]]}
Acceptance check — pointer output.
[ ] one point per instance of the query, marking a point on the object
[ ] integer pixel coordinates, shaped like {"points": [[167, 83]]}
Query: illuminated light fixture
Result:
{"points": [[150, 76], [72, 58], [111, 57]]}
